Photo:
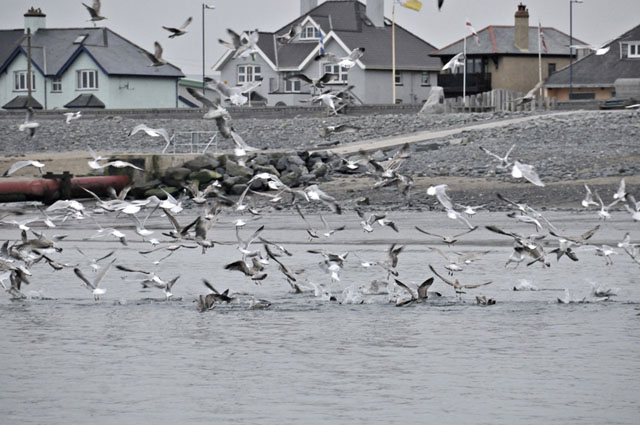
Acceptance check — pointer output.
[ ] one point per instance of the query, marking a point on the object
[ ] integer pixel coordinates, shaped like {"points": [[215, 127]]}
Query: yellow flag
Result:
{"points": [[412, 4]]}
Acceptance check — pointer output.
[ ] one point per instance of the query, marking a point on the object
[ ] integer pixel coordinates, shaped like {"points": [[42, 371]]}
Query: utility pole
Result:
{"points": [[29, 88]]}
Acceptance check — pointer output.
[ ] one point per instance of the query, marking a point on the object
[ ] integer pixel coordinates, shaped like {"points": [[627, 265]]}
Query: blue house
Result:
{"points": [[80, 68]]}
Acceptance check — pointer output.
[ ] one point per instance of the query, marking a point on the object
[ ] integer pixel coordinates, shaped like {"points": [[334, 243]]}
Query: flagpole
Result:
{"points": [[539, 61], [393, 53], [464, 74]]}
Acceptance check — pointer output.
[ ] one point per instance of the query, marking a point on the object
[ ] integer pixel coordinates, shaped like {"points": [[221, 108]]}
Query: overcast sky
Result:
{"points": [[594, 21]]}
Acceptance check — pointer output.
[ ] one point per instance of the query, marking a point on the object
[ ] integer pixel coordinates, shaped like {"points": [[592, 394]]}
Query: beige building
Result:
{"points": [[604, 76], [507, 57]]}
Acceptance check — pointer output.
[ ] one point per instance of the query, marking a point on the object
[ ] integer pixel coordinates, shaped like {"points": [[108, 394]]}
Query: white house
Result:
{"points": [[344, 25], [80, 68]]}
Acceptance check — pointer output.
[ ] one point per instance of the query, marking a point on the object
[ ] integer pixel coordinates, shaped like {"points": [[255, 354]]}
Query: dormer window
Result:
{"points": [[309, 33], [630, 49]]}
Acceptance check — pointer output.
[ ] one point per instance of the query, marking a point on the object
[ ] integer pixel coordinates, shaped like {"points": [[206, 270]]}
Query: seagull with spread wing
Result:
{"points": [[176, 32]]}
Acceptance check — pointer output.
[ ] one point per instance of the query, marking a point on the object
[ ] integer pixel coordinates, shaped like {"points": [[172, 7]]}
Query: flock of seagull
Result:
{"points": [[260, 255]]}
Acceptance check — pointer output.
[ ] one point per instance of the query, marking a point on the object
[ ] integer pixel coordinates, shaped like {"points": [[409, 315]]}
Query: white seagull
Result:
{"points": [[527, 171], [94, 11], [344, 61], [29, 124], [156, 57], [70, 116], [153, 132], [25, 163]]}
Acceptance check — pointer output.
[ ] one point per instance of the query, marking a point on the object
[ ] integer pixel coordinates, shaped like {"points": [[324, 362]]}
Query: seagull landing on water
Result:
{"points": [[94, 11], [94, 286], [21, 164], [176, 32]]}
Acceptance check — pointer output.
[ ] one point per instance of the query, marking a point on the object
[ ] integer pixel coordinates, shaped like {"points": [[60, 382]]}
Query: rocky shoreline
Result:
{"points": [[586, 146]]}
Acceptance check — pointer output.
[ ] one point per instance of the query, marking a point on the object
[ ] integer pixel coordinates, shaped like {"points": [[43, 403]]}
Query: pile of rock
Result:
{"points": [[233, 173]]}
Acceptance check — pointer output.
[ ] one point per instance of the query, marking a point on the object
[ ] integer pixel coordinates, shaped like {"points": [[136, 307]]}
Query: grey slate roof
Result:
{"points": [[85, 101], [499, 39], [114, 54], [349, 21], [600, 71], [22, 102]]}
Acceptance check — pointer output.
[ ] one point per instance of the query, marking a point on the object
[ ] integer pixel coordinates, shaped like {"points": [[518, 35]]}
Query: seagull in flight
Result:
{"points": [[504, 160], [244, 44], [527, 171], [176, 32], [156, 57], [344, 61], [70, 116], [315, 82], [455, 63], [234, 94], [153, 132], [94, 11], [459, 287], [25, 163], [293, 32], [29, 123]]}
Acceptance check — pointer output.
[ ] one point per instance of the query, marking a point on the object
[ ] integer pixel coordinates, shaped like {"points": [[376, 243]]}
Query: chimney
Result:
{"points": [[375, 12], [521, 28], [34, 19], [307, 5]]}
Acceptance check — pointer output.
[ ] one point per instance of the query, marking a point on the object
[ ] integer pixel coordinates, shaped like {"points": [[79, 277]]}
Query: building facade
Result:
{"points": [[80, 68], [506, 57], [341, 26], [600, 76]]}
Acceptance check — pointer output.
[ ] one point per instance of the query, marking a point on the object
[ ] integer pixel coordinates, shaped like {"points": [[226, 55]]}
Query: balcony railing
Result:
{"points": [[476, 83]]}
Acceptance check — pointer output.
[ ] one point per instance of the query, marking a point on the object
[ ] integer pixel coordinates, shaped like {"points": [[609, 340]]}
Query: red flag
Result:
{"points": [[473, 31], [544, 45]]}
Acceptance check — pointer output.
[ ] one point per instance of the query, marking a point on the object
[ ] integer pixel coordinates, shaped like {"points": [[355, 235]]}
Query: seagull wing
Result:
{"points": [[424, 288], [91, 10], [406, 288], [186, 23], [81, 275], [444, 279], [157, 52], [428, 233]]}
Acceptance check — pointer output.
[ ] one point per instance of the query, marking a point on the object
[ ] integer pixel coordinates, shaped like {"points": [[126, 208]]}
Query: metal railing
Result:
{"points": [[192, 142]]}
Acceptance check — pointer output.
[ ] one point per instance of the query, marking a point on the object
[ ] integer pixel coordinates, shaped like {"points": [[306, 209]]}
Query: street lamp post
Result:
{"points": [[571, 45], [204, 6]]}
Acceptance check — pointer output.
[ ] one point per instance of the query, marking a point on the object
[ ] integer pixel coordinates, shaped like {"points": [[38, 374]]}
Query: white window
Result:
{"points": [[398, 78], [340, 73], [292, 86], [425, 80], [248, 73], [56, 85], [20, 81], [87, 79], [309, 33], [634, 49]]}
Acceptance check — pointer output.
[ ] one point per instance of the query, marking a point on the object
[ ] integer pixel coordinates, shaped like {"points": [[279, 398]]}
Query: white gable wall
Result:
{"points": [[7, 92]]}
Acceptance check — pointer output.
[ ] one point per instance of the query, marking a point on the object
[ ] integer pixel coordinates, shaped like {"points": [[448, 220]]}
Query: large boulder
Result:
{"points": [[205, 176], [175, 176], [206, 161], [234, 169]]}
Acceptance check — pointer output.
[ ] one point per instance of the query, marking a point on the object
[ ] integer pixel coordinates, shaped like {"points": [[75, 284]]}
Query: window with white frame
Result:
{"points": [[292, 86], [86, 79], [309, 33], [425, 80], [634, 49], [398, 78], [20, 81], [248, 73], [56, 85], [340, 74]]}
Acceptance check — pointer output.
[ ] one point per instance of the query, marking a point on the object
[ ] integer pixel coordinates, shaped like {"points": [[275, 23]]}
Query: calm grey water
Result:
{"points": [[133, 358]]}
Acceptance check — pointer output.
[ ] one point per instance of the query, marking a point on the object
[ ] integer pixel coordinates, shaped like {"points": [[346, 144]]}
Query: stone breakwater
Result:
{"points": [[594, 146]]}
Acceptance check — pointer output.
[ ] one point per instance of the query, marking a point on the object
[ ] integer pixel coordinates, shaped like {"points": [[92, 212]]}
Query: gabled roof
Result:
{"points": [[499, 39], [603, 70], [114, 54], [346, 21]]}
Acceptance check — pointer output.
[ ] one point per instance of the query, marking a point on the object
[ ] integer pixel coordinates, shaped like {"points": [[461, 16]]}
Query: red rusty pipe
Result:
{"points": [[38, 189]]}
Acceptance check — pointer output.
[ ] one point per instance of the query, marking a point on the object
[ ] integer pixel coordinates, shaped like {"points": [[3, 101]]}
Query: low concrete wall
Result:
{"points": [[236, 112]]}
